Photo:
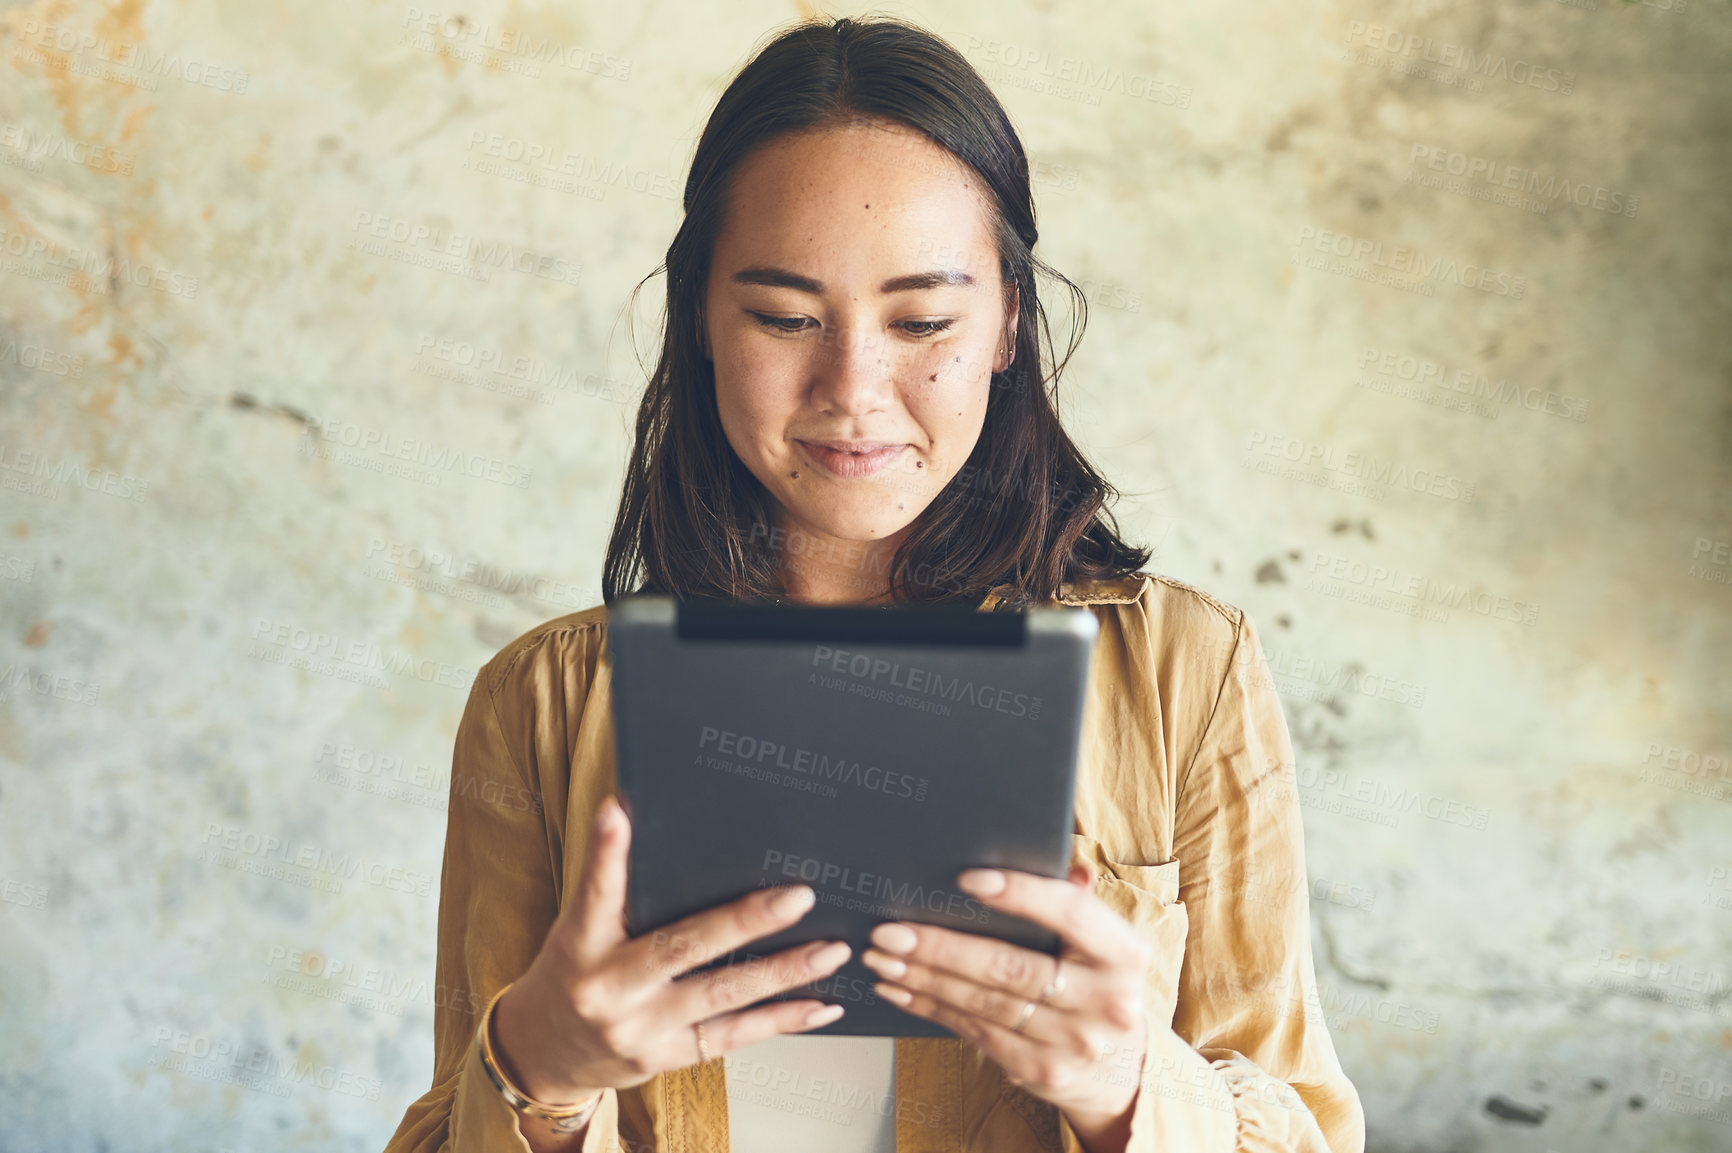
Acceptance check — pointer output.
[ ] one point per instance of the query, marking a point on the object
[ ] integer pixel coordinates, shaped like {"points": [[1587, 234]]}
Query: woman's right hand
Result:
{"points": [[598, 1009]]}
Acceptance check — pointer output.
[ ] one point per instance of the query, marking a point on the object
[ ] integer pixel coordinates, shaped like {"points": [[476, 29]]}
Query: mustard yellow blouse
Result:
{"points": [[1185, 805]]}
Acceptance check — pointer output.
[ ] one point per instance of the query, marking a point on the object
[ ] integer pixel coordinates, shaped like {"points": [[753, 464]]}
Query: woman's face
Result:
{"points": [[854, 315]]}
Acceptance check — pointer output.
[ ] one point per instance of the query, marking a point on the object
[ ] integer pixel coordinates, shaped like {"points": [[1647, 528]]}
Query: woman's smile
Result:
{"points": [[851, 459]]}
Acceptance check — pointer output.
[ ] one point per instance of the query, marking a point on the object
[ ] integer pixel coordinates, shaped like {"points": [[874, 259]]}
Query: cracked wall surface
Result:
{"points": [[1408, 335]]}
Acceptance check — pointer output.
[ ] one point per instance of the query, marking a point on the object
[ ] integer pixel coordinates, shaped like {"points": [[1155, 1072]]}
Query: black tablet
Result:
{"points": [[870, 753]]}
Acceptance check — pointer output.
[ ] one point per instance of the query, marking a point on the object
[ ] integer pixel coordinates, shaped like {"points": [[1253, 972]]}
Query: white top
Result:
{"points": [[796, 1094]]}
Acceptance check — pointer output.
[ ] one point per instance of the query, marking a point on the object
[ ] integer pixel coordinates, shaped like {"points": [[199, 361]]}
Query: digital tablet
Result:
{"points": [[870, 753]]}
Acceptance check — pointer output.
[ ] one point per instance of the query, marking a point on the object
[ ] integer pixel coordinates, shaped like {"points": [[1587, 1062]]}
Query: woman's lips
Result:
{"points": [[852, 464]]}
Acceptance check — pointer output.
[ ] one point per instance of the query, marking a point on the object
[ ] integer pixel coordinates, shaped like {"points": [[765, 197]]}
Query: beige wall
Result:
{"points": [[1517, 809]]}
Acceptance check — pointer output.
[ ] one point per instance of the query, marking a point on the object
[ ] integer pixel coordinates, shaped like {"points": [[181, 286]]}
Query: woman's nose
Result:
{"points": [[853, 373]]}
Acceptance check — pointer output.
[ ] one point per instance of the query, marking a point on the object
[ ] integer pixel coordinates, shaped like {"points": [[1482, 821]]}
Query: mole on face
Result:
{"points": [[934, 376]]}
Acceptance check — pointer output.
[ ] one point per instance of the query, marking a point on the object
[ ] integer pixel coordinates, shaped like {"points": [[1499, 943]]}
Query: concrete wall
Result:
{"points": [[1308, 274]]}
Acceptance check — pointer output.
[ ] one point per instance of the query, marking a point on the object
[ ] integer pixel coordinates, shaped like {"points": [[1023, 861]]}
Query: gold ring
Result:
{"points": [[1022, 1018], [703, 1050]]}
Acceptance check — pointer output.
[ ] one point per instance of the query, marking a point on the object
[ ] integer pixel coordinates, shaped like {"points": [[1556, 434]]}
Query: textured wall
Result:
{"points": [[1409, 336]]}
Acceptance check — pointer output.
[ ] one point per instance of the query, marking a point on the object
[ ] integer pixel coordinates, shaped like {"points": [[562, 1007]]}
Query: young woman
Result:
{"points": [[851, 407]]}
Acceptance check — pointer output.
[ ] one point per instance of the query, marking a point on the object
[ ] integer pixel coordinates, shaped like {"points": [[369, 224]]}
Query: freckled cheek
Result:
{"points": [[946, 376]]}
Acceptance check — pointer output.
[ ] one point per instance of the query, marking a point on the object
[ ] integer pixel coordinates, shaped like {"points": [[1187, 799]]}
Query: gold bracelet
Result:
{"points": [[560, 1118]]}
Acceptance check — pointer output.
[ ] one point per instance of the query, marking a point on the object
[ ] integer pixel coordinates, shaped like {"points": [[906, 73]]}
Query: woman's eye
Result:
{"points": [[922, 328], [788, 324], [791, 325]]}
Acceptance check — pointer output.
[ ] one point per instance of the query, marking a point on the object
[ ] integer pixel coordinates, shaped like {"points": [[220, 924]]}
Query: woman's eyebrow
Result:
{"points": [[783, 278]]}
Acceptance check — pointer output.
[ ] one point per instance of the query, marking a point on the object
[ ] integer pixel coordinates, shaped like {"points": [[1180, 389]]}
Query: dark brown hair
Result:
{"points": [[1023, 514]]}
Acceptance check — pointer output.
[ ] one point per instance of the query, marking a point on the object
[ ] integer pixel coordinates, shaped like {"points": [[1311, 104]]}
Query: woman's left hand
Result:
{"points": [[979, 988]]}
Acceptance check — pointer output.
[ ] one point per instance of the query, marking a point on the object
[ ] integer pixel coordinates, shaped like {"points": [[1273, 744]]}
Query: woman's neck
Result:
{"points": [[819, 569]]}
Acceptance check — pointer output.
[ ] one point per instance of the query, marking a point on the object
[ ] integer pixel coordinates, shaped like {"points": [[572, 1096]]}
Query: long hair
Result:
{"points": [[1025, 512]]}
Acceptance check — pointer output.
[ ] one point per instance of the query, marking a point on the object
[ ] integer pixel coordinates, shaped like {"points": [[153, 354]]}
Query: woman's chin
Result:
{"points": [[863, 521]]}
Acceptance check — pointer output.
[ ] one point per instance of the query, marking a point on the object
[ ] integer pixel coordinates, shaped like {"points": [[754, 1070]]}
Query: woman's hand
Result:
{"points": [[979, 987], [598, 1009]]}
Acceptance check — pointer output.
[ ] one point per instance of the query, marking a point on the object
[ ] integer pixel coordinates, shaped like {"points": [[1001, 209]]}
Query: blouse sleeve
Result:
{"points": [[1247, 1065], [496, 901]]}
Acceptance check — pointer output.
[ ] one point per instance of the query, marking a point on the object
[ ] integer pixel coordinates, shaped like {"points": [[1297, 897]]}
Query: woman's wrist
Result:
{"points": [[500, 1040], [1102, 1134]]}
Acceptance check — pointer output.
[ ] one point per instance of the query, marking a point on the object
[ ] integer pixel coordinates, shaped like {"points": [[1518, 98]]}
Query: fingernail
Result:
{"points": [[827, 955], [823, 1016], [981, 882], [893, 938], [793, 899], [895, 994], [879, 963]]}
